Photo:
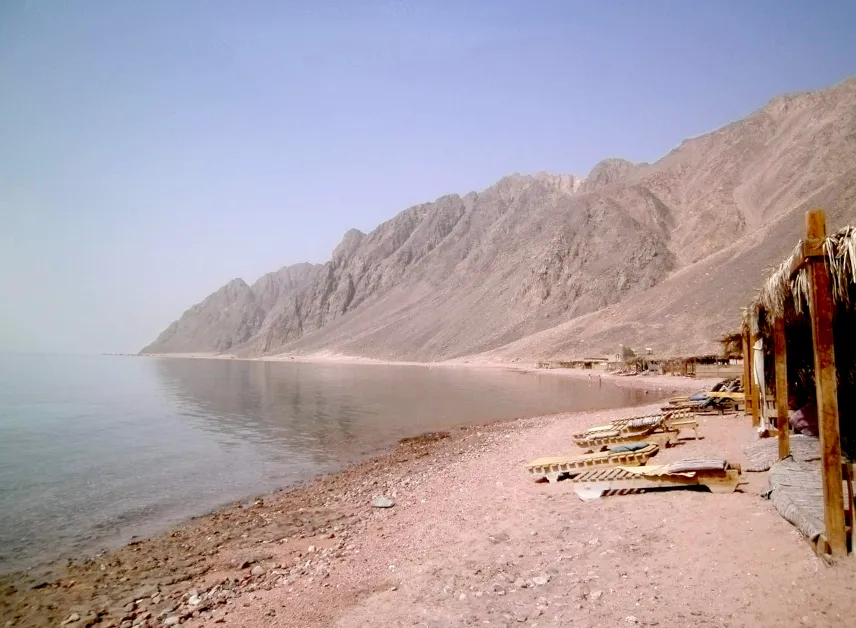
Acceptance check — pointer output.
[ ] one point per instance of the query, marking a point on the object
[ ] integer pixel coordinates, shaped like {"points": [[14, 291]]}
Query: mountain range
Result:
{"points": [[546, 266]]}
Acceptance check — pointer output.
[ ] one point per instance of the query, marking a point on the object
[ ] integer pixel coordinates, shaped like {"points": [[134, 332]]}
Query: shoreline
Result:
{"points": [[674, 383], [73, 580], [81, 585], [661, 385], [469, 532]]}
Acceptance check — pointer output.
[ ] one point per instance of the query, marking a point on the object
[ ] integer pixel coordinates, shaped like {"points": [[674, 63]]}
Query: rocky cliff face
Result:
{"points": [[534, 255], [231, 316]]}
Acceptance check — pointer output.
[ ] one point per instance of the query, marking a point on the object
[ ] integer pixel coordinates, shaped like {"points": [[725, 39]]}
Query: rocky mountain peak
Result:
{"points": [[609, 171], [552, 264]]}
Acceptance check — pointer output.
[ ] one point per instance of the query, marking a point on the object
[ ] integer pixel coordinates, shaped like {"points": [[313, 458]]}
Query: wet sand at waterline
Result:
{"points": [[471, 541]]}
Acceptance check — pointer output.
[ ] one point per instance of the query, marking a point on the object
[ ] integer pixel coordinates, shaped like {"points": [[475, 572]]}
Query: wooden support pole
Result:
{"points": [[747, 375], [756, 394], [781, 347], [825, 379]]}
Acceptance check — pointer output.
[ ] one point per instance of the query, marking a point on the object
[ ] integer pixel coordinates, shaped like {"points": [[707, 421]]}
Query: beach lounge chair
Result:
{"points": [[717, 475], [720, 398], [707, 404], [558, 467], [670, 416], [660, 429]]}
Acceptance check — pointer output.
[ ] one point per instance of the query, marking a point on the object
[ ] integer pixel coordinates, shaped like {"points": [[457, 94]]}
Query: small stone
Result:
{"points": [[383, 502], [310, 549], [258, 570], [126, 624], [596, 595], [171, 621], [498, 589], [519, 583], [194, 600], [71, 619], [630, 619], [462, 597], [144, 592], [540, 581], [593, 542]]}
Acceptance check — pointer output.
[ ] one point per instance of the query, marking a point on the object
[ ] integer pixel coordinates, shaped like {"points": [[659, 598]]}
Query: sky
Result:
{"points": [[152, 151]]}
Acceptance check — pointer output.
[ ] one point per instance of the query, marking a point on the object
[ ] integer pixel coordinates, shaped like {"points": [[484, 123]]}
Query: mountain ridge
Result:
{"points": [[482, 272]]}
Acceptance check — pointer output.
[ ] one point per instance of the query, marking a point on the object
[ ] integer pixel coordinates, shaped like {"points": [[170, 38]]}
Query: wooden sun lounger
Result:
{"points": [[655, 429], [677, 400], [717, 475], [734, 396], [667, 418], [556, 467], [596, 443], [721, 405]]}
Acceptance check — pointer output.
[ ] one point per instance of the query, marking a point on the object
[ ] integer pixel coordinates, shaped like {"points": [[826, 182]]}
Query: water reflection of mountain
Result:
{"points": [[336, 411], [267, 403]]}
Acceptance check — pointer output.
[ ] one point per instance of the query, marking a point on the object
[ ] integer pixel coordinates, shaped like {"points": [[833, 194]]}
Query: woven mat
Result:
{"points": [[764, 453], [797, 493]]}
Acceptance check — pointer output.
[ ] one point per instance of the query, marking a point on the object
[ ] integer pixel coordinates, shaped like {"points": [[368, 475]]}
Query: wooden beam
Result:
{"points": [[825, 379], [747, 375], [756, 390], [782, 426]]}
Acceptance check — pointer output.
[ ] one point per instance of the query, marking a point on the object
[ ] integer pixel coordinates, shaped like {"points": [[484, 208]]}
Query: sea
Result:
{"points": [[98, 450]]}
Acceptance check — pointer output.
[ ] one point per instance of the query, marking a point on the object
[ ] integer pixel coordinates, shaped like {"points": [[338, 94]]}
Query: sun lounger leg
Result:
{"points": [[722, 484]]}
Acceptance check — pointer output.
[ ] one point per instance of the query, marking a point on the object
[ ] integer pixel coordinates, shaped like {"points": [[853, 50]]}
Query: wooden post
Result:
{"points": [[756, 394], [782, 387], [825, 379], [747, 375]]}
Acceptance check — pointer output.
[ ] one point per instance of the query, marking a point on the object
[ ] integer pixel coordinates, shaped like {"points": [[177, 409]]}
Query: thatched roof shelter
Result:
{"points": [[786, 295], [805, 315]]}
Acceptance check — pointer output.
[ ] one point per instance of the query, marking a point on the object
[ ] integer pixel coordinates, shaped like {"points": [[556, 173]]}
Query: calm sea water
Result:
{"points": [[95, 450]]}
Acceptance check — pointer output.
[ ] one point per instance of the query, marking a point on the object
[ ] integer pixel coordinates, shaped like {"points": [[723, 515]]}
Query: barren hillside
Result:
{"points": [[659, 254]]}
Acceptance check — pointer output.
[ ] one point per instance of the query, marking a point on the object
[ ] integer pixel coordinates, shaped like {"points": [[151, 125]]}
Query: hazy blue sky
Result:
{"points": [[151, 151]]}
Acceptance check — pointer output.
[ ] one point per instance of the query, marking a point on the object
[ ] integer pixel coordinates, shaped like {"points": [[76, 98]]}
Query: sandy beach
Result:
{"points": [[471, 540], [646, 381]]}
